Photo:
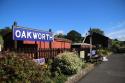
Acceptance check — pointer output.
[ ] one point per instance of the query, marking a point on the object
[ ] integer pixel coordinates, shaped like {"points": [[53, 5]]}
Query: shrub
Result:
{"points": [[18, 69], [60, 79], [68, 63], [104, 52]]}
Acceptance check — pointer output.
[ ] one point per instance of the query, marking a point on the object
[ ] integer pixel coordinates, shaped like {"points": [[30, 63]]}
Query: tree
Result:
{"points": [[5, 31], [115, 43], [74, 36], [97, 30], [60, 35]]}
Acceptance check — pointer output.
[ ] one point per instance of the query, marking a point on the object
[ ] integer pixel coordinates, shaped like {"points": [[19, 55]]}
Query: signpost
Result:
{"points": [[31, 34]]}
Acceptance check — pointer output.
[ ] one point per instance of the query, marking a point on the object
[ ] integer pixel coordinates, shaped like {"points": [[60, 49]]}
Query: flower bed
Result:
{"points": [[66, 67]]}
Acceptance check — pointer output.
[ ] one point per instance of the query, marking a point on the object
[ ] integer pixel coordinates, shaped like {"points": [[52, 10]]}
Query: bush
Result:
{"points": [[68, 63], [18, 69], [60, 79], [104, 52]]}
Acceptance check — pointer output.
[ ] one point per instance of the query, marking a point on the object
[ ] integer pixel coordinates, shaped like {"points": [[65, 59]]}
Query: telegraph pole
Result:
{"points": [[90, 33]]}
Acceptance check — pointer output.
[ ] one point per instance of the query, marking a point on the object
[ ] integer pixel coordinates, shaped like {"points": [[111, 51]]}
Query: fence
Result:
{"points": [[40, 53]]}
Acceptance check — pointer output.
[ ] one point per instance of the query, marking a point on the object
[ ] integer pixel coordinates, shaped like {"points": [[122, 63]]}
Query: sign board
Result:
{"points": [[82, 54], [31, 34], [40, 61]]}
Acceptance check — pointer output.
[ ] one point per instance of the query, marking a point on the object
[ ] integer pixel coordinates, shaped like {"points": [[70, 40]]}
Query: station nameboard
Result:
{"points": [[31, 34]]}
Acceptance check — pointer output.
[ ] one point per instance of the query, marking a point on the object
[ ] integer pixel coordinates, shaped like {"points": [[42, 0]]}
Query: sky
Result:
{"points": [[64, 15]]}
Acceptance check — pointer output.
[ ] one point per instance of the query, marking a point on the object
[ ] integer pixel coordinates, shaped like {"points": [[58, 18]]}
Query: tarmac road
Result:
{"points": [[112, 71]]}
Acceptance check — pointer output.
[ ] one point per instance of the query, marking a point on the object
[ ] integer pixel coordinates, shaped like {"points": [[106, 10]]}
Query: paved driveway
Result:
{"points": [[112, 71]]}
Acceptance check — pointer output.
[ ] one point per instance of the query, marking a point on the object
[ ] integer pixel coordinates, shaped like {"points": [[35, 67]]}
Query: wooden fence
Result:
{"points": [[40, 53]]}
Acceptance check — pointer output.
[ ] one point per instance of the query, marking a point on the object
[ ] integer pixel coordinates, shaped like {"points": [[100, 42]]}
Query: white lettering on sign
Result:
{"points": [[47, 36], [34, 35], [23, 35], [18, 33], [29, 35], [39, 36], [43, 36]]}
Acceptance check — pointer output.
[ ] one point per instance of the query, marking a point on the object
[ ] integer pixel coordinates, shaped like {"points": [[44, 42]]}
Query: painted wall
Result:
{"points": [[54, 44]]}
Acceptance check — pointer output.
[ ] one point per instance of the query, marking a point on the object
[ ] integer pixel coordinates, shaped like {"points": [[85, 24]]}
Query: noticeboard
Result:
{"points": [[82, 54]]}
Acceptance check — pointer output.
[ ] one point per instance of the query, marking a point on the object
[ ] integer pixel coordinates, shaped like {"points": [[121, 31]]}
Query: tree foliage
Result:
{"points": [[74, 36], [5, 31], [97, 30], [60, 35], [117, 43]]}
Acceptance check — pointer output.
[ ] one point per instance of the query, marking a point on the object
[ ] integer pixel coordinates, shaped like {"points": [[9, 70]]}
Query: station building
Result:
{"points": [[60, 43]]}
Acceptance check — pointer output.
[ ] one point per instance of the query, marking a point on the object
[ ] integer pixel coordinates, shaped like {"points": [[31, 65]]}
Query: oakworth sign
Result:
{"points": [[31, 34]]}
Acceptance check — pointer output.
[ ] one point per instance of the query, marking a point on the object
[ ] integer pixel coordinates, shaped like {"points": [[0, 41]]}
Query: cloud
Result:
{"points": [[122, 38], [119, 25], [59, 31], [118, 32], [120, 35]]}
